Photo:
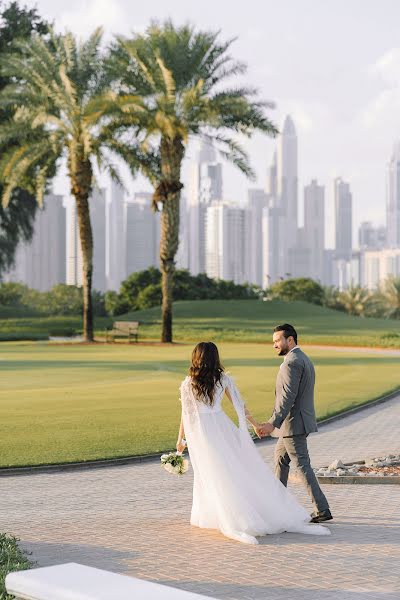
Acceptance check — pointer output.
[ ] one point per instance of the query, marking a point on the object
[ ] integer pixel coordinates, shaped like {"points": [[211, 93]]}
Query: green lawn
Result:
{"points": [[223, 320], [29, 327], [69, 403], [253, 321]]}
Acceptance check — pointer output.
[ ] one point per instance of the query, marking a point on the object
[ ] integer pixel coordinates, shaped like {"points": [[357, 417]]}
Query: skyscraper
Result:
{"points": [[40, 263], [73, 245], [371, 237], [225, 256], [98, 211], [343, 219], [115, 248], [314, 228], [182, 256], [272, 249], [256, 203], [141, 234], [205, 186], [393, 199], [287, 187], [279, 220]]}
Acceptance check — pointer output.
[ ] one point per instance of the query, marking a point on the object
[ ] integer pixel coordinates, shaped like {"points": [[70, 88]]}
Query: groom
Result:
{"points": [[294, 416]]}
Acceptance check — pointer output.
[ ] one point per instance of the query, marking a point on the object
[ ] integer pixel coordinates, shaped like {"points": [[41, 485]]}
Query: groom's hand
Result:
{"points": [[257, 428], [266, 429]]}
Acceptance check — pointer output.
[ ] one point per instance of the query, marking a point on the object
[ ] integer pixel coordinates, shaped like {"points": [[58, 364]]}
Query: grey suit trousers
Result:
{"points": [[294, 450]]}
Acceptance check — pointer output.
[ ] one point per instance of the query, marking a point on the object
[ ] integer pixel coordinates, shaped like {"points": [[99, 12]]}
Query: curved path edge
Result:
{"points": [[114, 462]]}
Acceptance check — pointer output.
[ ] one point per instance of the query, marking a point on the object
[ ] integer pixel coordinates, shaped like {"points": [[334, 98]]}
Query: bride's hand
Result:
{"points": [[258, 428], [180, 446]]}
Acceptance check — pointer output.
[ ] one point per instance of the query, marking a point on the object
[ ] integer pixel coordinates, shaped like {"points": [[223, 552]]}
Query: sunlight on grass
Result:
{"points": [[70, 403]]}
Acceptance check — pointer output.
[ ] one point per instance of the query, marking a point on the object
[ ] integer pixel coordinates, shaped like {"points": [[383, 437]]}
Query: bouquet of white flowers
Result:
{"points": [[174, 463]]}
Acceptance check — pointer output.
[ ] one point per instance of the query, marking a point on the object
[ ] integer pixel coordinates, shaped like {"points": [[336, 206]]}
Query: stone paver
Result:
{"points": [[135, 520]]}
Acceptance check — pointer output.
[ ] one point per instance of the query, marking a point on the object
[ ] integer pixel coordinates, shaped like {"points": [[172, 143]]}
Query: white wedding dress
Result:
{"points": [[234, 490]]}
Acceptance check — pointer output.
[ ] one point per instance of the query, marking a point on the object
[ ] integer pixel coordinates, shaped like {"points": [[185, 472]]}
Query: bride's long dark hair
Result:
{"points": [[205, 371]]}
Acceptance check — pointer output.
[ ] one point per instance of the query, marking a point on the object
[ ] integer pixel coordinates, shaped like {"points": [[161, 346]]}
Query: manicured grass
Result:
{"points": [[12, 558], [224, 320], [253, 321], [70, 403], [28, 327]]}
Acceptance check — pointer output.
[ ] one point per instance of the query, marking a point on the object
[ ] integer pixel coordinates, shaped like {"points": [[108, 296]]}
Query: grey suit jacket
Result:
{"points": [[294, 412]]}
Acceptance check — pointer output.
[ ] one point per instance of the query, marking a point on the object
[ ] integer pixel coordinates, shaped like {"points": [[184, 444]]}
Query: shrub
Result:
{"points": [[12, 558], [303, 289]]}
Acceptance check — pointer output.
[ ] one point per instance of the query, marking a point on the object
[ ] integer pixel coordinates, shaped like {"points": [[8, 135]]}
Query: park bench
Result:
{"points": [[129, 329], [72, 581]]}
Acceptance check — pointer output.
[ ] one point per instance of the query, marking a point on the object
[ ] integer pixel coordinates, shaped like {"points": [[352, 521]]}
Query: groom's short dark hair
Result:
{"points": [[288, 330]]}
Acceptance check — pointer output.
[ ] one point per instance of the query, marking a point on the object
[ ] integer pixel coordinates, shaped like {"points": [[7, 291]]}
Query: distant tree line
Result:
{"points": [[355, 300], [139, 291], [142, 290]]}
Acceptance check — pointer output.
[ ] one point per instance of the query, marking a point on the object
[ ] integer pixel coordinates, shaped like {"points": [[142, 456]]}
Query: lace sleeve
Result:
{"points": [[187, 397], [237, 400]]}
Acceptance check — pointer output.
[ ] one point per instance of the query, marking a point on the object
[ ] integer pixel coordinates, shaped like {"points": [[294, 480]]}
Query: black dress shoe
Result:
{"points": [[320, 517]]}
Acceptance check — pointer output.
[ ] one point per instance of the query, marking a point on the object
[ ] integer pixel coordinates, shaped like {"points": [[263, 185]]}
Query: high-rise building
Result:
{"points": [[287, 188], [314, 228], [271, 186], [273, 251], [225, 257], [371, 237], [379, 265], [393, 199], [40, 263], [97, 209], [141, 234], [73, 245], [343, 220], [182, 256], [256, 203], [115, 248], [205, 186], [280, 216]]}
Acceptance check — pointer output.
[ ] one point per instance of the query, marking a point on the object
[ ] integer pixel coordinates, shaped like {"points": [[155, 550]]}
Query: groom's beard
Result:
{"points": [[283, 352]]}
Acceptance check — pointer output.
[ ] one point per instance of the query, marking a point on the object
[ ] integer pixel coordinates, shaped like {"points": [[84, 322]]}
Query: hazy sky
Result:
{"points": [[334, 65]]}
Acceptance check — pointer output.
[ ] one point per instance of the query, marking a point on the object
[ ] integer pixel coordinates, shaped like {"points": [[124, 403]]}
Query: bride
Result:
{"points": [[234, 490]]}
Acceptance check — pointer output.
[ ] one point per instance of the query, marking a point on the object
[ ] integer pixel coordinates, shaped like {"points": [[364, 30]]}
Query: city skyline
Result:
{"points": [[268, 238], [344, 97]]}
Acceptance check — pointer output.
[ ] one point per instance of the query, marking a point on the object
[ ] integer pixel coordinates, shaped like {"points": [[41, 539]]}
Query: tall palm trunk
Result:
{"points": [[168, 193], [81, 184]]}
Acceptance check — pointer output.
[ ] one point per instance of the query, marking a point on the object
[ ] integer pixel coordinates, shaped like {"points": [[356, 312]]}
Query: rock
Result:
{"points": [[353, 472], [370, 462], [379, 463], [337, 464]]}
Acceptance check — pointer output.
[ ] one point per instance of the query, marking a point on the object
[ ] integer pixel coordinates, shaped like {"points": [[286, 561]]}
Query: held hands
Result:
{"points": [[263, 429]]}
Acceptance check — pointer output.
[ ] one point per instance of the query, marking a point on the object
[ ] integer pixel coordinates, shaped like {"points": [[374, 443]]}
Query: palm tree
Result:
{"points": [[180, 74], [356, 300], [391, 297], [62, 109]]}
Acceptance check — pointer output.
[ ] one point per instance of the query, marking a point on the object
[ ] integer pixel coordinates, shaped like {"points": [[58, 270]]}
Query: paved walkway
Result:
{"points": [[134, 520]]}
